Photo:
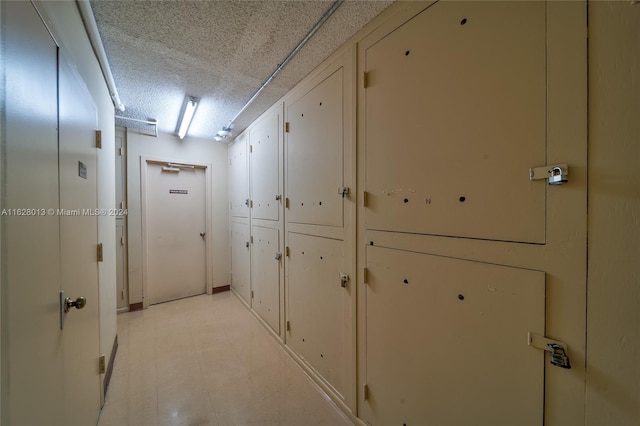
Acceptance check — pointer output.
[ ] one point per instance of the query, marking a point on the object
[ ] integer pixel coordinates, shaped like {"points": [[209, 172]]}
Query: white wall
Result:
{"points": [[613, 329], [63, 19], [170, 147]]}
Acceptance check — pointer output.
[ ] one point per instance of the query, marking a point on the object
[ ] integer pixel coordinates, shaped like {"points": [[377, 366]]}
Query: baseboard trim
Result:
{"points": [[220, 289], [112, 359], [135, 307]]}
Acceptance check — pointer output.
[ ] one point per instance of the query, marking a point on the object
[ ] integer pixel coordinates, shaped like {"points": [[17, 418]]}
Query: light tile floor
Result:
{"points": [[206, 360]]}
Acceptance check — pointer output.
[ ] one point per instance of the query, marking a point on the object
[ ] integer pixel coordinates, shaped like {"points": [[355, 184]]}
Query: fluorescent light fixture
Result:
{"points": [[225, 132], [187, 115]]}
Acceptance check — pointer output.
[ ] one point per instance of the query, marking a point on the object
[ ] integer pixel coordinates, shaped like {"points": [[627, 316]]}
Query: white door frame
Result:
{"points": [[144, 162]]}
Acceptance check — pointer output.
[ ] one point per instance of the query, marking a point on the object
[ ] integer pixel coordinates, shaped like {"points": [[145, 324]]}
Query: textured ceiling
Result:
{"points": [[219, 51]]}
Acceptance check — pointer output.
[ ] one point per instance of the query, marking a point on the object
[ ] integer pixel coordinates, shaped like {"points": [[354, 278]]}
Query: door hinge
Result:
{"points": [[121, 241], [286, 127], [251, 239], [250, 149], [252, 294], [344, 191], [365, 275], [558, 349], [99, 139], [286, 251], [120, 152], [365, 79], [102, 364], [288, 325], [365, 198], [122, 294], [99, 253], [365, 392], [286, 202]]}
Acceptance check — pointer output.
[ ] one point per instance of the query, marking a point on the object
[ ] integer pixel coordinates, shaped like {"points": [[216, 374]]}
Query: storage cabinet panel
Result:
{"points": [[447, 341], [315, 154], [239, 177], [265, 166], [241, 260], [455, 111], [266, 275], [318, 306]]}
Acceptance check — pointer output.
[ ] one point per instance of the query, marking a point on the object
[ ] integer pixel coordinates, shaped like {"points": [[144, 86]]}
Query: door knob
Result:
{"points": [[69, 303], [202, 234]]}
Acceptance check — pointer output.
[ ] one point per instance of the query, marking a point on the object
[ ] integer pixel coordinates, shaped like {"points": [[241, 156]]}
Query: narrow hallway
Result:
{"points": [[206, 360]]}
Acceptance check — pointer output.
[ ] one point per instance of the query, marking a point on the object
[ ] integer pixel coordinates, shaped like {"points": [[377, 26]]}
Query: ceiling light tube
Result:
{"points": [[187, 115]]}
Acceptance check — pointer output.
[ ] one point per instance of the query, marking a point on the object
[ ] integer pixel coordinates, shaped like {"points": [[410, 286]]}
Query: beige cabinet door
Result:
{"points": [[78, 245], [265, 272], [265, 159], [456, 116], [241, 260], [239, 177], [315, 168], [446, 338], [175, 232], [318, 307]]}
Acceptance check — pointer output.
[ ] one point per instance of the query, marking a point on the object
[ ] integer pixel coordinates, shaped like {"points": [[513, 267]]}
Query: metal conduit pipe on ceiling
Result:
{"points": [[290, 56], [94, 36]]}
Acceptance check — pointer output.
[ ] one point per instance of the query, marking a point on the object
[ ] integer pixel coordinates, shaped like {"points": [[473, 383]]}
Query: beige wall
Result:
{"points": [[613, 334], [170, 147], [63, 19]]}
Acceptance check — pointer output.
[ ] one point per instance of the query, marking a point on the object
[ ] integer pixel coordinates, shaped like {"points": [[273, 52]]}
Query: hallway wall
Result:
{"points": [[612, 348], [613, 329], [170, 147]]}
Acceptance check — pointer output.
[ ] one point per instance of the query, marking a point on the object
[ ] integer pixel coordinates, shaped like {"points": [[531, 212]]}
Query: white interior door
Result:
{"points": [[49, 375], [31, 336], [175, 232], [78, 246]]}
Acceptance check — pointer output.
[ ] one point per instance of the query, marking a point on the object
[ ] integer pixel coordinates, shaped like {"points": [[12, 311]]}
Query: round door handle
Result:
{"points": [[79, 303]]}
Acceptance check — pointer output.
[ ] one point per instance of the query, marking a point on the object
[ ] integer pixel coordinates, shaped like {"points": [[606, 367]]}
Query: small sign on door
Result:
{"points": [[178, 191], [82, 170]]}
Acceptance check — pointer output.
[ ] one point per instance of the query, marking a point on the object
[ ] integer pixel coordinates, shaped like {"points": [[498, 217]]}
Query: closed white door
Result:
{"points": [[31, 336], [50, 374], [78, 246], [175, 232]]}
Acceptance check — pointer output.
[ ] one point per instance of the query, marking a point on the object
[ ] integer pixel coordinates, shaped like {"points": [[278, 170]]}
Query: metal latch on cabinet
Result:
{"points": [[344, 191], [278, 256], [559, 356], [556, 174], [344, 280]]}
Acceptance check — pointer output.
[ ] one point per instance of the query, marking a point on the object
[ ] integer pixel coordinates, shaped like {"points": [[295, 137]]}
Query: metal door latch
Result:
{"points": [[246, 244], [559, 356], [344, 279], [344, 191], [555, 174], [278, 256], [246, 202]]}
